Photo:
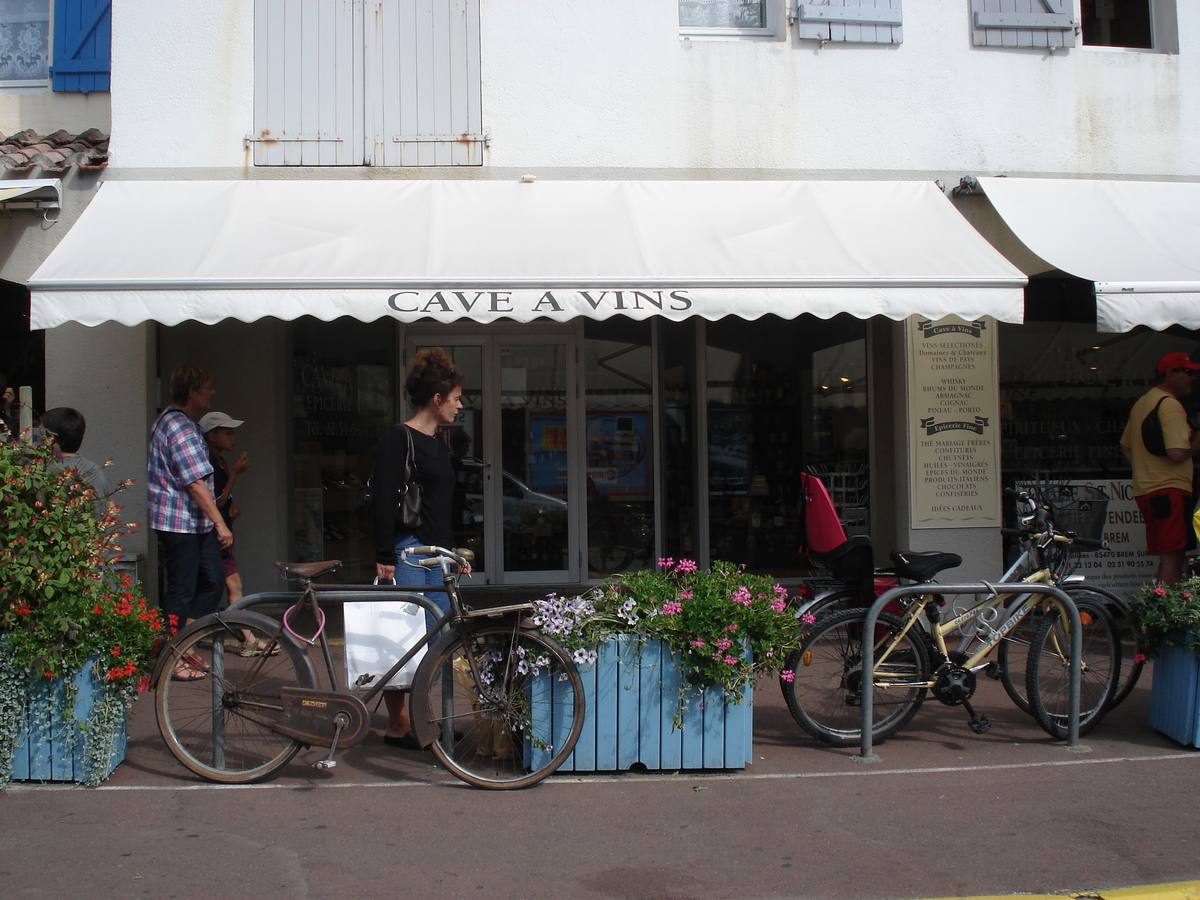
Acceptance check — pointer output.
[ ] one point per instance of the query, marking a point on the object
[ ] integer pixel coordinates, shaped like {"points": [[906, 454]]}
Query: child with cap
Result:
{"points": [[220, 436]]}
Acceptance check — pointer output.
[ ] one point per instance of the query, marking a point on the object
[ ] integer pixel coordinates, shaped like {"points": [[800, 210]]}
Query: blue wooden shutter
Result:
{"points": [[82, 45], [852, 21], [1022, 23]]}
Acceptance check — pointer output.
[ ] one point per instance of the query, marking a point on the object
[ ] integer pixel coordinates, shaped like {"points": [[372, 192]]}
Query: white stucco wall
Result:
{"points": [[611, 87]]}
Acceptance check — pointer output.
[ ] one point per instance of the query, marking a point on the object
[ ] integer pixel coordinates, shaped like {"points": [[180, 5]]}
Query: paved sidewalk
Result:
{"points": [[943, 813]]}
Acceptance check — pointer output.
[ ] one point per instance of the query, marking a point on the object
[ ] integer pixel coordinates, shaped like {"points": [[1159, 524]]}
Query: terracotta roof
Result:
{"points": [[54, 152]]}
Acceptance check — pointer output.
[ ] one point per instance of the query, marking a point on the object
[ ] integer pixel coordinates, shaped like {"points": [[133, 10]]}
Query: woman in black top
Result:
{"points": [[435, 388]]}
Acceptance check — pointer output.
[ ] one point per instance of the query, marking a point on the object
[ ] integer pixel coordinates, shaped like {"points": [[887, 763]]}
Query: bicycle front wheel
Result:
{"points": [[215, 707], [1048, 670], [824, 693], [508, 704]]}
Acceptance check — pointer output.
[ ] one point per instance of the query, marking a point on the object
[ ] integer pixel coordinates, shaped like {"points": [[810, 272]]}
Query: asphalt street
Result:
{"points": [[943, 813]]}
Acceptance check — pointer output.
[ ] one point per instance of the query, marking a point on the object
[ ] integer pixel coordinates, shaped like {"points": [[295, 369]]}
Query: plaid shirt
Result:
{"points": [[178, 457]]}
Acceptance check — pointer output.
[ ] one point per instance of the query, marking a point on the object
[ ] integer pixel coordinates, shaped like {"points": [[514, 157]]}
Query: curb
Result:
{"points": [[1176, 890]]}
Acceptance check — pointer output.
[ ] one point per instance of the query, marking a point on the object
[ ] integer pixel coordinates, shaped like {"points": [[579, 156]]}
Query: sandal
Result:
{"points": [[184, 671], [253, 648]]}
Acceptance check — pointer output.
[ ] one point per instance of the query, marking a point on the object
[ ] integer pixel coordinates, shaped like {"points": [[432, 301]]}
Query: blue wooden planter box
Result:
{"points": [[44, 745], [1175, 697], [631, 704]]}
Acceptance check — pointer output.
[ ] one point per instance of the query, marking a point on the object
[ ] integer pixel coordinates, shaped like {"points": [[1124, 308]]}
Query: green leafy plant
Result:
{"points": [[61, 605], [1168, 616], [724, 624]]}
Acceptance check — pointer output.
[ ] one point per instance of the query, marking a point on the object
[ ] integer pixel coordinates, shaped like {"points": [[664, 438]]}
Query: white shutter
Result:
{"points": [[852, 21], [308, 83], [1023, 23], [427, 102]]}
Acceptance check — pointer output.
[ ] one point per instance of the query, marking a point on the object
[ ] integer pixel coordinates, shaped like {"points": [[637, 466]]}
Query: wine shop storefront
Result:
{"points": [[650, 365]]}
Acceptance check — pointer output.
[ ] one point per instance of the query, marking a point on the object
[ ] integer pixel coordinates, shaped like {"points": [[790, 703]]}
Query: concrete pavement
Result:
{"points": [[943, 813]]}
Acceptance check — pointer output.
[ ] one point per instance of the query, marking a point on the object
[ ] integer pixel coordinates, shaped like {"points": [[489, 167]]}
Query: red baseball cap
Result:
{"points": [[1176, 360]]}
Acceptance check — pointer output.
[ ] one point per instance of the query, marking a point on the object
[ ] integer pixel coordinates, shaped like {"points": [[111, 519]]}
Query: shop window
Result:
{"points": [[729, 18], [783, 397], [343, 400], [1145, 24], [1065, 395], [618, 382], [680, 517], [375, 83]]}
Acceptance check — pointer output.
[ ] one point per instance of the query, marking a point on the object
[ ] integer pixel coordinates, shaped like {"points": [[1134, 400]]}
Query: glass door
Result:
{"points": [[537, 458], [515, 455]]}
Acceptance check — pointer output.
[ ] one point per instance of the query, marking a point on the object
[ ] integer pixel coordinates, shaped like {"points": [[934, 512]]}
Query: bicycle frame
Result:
{"points": [[1055, 595]]}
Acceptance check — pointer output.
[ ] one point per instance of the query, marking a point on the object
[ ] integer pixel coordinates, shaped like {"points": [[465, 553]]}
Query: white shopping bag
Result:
{"points": [[379, 632]]}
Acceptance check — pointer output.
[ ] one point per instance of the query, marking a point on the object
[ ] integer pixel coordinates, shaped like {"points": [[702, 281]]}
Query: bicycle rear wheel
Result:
{"points": [[508, 703], [1048, 669], [216, 714], [824, 694]]}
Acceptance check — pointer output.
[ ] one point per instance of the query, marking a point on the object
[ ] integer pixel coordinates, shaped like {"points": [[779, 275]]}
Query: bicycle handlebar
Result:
{"points": [[460, 557]]}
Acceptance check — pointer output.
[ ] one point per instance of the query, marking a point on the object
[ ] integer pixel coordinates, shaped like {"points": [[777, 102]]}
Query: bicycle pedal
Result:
{"points": [[325, 764], [981, 724], [992, 671]]}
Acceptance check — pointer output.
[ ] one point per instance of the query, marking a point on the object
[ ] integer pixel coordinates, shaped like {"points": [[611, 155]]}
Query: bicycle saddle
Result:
{"points": [[292, 571], [922, 565]]}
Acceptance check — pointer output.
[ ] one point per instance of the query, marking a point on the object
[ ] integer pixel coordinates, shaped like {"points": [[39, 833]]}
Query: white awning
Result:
{"points": [[488, 250], [1139, 241], [35, 193]]}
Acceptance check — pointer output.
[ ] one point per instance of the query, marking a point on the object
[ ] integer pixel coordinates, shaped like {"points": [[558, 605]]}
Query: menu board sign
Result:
{"points": [[953, 422]]}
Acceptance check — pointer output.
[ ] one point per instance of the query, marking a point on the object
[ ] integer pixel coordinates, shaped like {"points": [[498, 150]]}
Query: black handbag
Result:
{"points": [[408, 496]]}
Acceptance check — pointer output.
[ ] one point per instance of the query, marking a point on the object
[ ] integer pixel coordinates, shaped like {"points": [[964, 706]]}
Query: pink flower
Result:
{"points": [[1139, 658], [808, 618], [778, 604], [731, 661], [742, 596], [671, 608], [724, 644], [1159, 591], [697, 643], [787, 675], [780, 591], [686, 595], [731, 627], [665, 562], [686, 565]]}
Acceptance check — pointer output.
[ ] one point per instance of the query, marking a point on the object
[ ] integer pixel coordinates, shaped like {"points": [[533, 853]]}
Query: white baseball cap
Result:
{"points": [[212, 420]]}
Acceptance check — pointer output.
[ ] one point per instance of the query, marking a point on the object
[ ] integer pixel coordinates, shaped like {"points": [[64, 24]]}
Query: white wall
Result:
{"points": [[601, 88]]}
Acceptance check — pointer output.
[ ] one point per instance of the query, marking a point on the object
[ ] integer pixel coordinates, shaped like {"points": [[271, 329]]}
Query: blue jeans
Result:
{"points": [[420, 575], [195, 575]]}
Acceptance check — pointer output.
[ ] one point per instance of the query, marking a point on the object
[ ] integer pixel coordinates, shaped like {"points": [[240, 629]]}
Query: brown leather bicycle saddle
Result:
{"points": [[308, 569]]}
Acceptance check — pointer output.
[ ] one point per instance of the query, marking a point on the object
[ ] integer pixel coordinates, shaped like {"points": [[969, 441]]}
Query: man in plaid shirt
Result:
{"points": [[191, 532]]}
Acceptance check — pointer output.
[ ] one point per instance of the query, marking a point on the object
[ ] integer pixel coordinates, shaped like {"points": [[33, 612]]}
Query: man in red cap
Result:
{"points": [[1162, 470]]}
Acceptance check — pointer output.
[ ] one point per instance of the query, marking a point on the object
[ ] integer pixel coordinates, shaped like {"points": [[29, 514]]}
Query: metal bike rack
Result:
{"points": [[1065, 604]]}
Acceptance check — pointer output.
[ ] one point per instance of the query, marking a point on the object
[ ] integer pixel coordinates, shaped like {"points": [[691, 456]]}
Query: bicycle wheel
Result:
{"points": [[1132, 658], [219, 724], [825, 691], [508, 704], [1048, 670], [1012, 657]]}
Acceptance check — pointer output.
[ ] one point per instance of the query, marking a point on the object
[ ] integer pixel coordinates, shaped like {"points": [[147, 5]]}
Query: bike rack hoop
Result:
{"points": [[1060, 598]]}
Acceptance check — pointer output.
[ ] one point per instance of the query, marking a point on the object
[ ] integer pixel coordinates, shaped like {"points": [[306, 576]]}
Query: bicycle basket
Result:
{"points": [[1079, 509]]}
